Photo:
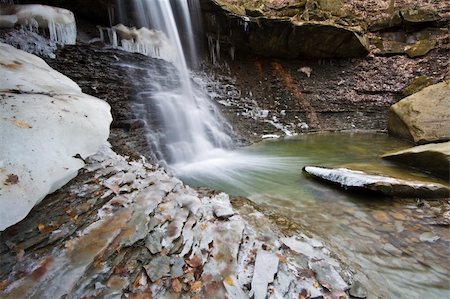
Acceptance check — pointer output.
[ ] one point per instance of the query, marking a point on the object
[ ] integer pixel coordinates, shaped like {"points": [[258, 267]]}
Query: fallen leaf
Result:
{"points": [[176, 286], [21, 124], [196, 286], [41, 228], [316, 284], [4, 284], [380, 216], [203, 226], [12, 179], [194, 262], [229, 280], [281, 258]]}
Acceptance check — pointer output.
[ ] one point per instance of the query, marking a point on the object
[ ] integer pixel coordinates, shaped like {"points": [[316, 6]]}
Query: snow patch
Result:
{"points": [[48, 127]]}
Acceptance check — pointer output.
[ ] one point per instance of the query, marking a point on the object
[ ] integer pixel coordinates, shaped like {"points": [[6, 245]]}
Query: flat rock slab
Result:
{"points": [[433, 158], [352, 179]]}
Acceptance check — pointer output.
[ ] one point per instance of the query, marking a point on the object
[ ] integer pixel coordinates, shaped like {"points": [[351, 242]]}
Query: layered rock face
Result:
{"points": [[423, 117], [48, 127], [288, 31]]}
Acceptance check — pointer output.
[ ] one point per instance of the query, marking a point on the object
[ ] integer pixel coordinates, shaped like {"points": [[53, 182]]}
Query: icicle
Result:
{"points": [[59, 22], [148, 42], [232, 52]]}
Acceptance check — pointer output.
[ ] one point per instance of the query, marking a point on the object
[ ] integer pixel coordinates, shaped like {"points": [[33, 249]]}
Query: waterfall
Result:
{"points": [[192, 126]]}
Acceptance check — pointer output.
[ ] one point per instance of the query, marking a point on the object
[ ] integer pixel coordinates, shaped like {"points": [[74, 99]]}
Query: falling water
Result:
{"points": [[192, 128]]}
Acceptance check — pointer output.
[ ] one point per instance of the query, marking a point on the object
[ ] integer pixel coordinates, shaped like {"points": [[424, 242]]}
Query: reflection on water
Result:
{"points": [[402, 245]]}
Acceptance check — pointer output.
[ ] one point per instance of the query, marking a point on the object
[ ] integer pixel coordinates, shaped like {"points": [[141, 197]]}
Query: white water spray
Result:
{"points": [[191, 126]]}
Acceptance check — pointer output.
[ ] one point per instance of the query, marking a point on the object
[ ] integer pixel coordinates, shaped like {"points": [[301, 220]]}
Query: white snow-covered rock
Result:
{"points": [[354, 179], [59, 22], [45, 121]]}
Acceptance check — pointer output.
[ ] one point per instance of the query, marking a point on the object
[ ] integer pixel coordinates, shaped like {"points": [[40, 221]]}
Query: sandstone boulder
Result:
{"points": [[433, 158], [423, 117]]}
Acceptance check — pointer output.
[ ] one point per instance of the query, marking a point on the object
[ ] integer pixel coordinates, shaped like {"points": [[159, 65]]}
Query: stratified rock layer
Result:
{"points": [[281, 36]]}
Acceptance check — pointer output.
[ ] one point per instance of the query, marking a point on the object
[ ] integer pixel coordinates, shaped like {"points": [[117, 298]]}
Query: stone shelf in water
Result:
{"points": [[359, 180]]}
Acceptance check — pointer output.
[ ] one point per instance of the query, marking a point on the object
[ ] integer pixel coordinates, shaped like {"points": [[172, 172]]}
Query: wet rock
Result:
{"points": [[177, 267], [422, 117], [421, 48], [158, 268], [266, 265], [433, 158], [357, 290], [358, 180], [428, 237], [328, 276]]}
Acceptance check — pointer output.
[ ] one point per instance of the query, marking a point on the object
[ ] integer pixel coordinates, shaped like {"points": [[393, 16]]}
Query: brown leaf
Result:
{"points": [[21, 124], [196, 286], [195, 262], [41, 228], [176, 286], [229, 280], [282, 258], [12, 179]]}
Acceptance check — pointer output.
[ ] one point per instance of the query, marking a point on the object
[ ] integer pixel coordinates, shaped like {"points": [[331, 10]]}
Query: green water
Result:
{"points": [[377, 235]]}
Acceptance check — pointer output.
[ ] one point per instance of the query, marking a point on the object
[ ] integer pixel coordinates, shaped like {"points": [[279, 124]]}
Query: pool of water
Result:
{"points": [[399, 244]]}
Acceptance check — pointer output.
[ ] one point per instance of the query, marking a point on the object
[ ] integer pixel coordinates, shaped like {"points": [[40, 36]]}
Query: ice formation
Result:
{"points": [[48, 127], [58, 23], [151, 43]]}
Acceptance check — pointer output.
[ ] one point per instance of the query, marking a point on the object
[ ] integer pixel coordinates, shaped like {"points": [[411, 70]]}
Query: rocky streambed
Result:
{"points": [[125, 228]]}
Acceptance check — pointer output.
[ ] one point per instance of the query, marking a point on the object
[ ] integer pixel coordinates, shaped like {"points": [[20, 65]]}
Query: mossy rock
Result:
{"points": [[417, 85], [391, 21], [421, 48], [419, 16], [333, 6]]}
